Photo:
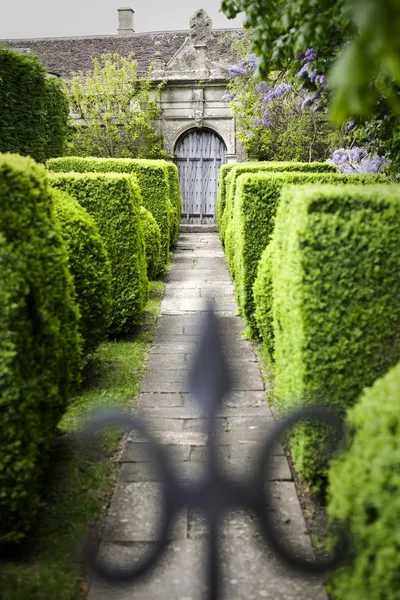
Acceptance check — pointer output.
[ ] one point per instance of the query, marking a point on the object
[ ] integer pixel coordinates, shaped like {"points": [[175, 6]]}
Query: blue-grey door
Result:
{"points": [[198, 156]]}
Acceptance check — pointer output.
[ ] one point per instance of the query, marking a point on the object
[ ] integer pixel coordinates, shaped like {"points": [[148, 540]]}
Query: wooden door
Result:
{"points": [[198, 156]]}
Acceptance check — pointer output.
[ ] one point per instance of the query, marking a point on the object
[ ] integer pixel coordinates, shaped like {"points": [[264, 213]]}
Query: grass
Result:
{"points": [[77, 492]]}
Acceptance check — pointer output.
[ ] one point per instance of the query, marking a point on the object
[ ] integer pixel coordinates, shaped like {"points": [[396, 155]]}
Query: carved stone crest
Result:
{"points": [[200, 28]]}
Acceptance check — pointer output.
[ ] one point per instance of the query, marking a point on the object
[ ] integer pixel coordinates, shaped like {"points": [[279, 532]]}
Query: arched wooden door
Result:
{"points": [[198, 156]]}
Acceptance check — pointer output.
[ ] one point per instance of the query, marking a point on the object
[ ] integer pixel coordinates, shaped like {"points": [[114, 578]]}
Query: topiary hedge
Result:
{"points": [[34, 107], [175, 196], [364, 488], [258, 167], [335, 269], [114, 201], [257, 199], [152, 241], [262, 296], [153, 179], [223, 173], [89, 266], [40, 346]]}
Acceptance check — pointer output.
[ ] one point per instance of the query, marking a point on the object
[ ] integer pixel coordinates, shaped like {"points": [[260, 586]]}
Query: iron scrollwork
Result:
{"points": [[215, 493]]}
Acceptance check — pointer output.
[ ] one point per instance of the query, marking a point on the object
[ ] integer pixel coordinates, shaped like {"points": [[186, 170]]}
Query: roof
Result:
{"points": [[64, 56]]}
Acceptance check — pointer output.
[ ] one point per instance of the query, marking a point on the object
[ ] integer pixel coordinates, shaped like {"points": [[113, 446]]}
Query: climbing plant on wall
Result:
{"points": [[115, 111]]}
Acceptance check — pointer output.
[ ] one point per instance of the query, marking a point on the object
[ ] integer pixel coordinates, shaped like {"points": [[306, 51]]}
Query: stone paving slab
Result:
{"points": [[175, 419]]}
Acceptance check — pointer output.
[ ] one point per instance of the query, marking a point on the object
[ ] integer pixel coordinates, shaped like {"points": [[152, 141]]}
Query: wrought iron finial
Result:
{"points": [[214, 493]]}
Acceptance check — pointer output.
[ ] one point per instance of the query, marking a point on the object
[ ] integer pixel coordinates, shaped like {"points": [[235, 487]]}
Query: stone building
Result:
{"points": [[198, 126]]}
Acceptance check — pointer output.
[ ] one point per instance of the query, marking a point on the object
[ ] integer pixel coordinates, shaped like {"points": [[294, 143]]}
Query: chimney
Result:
{"points": [[125, 21]]}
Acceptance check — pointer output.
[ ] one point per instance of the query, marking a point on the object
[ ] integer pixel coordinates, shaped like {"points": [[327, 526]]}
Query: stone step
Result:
{"points": [[198, 228]]}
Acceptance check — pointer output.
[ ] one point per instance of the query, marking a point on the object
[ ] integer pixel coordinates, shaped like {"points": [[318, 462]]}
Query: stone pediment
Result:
{"points": [[193, 60]]}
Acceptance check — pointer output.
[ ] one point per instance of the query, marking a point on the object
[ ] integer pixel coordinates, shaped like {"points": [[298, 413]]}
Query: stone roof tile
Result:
{"points": [[63, 56]]}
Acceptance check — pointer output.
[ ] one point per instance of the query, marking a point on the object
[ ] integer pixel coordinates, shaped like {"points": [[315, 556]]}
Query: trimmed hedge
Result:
{"points": [[89, 266], [152, 241], [262, 296], [175, 197], [114, 201], [259, 167], [364, 495], [40, 346], [34, 107], [223, 173], [153, 179], [335, 269], [257, 199]]}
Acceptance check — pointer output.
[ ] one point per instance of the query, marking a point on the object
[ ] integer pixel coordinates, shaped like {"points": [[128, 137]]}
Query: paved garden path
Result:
{"points": [[199, 273]]}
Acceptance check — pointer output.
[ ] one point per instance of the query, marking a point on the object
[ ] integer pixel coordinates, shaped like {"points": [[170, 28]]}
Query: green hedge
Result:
{"points": [[175, 197], [257, 199], [262, 296], [336, 284], [34, 108], [223, 173], [114, 201], [153, 179], [89, 266], [258, 167], [152, 241], [364, 495], [40, 346]]}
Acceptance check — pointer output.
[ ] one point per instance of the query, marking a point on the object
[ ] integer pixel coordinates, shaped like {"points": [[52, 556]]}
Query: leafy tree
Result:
{"points": [[276, 120], [363, 34], [115, 111]]}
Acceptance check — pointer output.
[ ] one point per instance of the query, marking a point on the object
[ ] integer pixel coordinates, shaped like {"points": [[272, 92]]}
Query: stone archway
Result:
{"points": [[199, 153]]}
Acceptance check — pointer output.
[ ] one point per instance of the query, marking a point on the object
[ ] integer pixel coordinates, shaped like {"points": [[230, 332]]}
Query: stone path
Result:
{"points": [[199, 274]]}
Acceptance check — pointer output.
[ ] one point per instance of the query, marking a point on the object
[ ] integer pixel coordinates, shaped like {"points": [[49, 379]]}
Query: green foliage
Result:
{"points": [[363, 495], [252, 225], [89, 266], [116, 110], [40, 346], [223, 173], [152, 176], [152, 241], [34, 108], [114, 202], [335, 287], [367, 32], [262, 297], [253, 167], [175, 197]]}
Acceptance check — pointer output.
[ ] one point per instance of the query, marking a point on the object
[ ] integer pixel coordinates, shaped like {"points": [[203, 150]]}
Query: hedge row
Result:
{"points": [[89, 266], [252, 224], [40, 345], [230, 174], [335, 264], [114, 202], [175, 196], [154, 182], [152, 241], [363, 495], [223, 173], [34, 107]]}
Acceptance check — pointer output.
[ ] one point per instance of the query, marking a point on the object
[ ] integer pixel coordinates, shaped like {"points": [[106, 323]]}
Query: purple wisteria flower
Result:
{"points": [[310, 100], [309, 55], [228, 97], [256, 121], [236, 70], [358, 160], [277, 92], [304, 71], [320, 79], [350, 125]]}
